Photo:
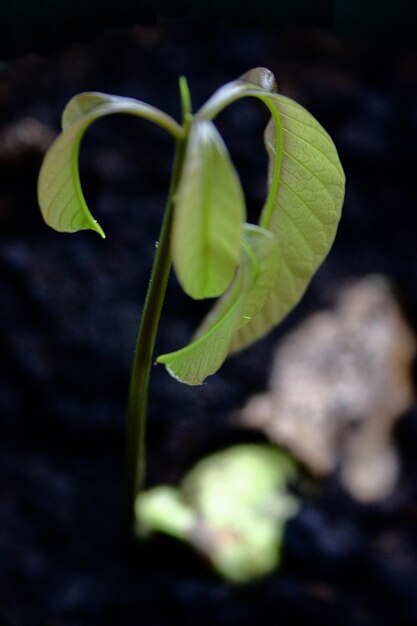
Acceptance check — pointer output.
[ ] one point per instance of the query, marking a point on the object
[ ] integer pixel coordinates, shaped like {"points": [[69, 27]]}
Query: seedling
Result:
{"points": [[258, 272], [231, 507]]}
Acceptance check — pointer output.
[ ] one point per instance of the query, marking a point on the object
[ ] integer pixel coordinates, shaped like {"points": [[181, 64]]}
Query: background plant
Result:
{"points": [[259, 272]]}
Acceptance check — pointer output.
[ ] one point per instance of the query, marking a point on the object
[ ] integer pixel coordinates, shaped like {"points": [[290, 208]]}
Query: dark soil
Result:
{"points": [[69, 312]]}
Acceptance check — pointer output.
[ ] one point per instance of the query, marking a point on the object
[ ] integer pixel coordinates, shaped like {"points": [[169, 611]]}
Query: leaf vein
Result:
{"points": [[312, 174], [314, 147]]}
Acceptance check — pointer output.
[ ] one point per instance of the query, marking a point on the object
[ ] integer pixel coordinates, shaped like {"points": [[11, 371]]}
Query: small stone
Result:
{"points": [[24, 137]]}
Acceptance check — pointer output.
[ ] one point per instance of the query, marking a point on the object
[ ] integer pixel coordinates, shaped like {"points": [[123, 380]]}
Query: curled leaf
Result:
{"points": [[303, 212], [60, 196], [305, 194]]}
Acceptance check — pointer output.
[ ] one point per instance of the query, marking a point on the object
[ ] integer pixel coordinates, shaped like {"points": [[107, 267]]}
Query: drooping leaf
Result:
{"points": [[59, 190], [209, 214], [262, 272], [249, 290], [304, 214], [305, 194], [205, 355]]}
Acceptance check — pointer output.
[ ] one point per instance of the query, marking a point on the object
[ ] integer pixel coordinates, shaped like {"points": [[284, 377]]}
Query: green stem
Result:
{"points": [[143, 358]]}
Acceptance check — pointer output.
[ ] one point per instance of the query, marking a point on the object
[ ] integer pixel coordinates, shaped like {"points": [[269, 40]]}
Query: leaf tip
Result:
{"points": [[101, 232], [166, 359], [94, 225]]}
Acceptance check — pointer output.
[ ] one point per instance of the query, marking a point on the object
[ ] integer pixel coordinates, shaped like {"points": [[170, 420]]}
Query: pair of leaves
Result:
{"points": [[261, 271], [302, 210]]}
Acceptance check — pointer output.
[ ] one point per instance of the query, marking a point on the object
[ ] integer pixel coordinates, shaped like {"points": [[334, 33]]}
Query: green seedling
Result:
{"points": [[257, 272], [231, 507]]}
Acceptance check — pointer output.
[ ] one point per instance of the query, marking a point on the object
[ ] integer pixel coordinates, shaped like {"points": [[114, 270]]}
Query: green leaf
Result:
{"points": [[305, 194], [209, 214], [249, 290], [256, 82], [303, 213], [263, 265], [161, 509], [203, 357], [59, 190], [241, 500]]}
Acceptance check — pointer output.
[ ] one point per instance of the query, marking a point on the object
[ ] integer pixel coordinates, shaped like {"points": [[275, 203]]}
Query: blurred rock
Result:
{"points": [[24, 138], [339, 383]]}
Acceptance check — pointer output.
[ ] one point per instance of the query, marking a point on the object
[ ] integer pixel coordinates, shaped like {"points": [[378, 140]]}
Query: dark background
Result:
{"points": [[70, 306]]}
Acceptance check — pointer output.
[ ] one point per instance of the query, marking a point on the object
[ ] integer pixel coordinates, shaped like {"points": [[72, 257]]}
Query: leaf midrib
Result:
{"points": [[205, 222]]}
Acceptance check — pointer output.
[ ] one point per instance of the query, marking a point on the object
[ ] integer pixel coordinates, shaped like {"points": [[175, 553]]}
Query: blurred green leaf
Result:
{"points": [[232, 507], [162, 509]]}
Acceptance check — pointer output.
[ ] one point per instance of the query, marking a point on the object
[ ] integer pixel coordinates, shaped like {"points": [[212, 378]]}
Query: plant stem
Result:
{"points": [[143, 358]]}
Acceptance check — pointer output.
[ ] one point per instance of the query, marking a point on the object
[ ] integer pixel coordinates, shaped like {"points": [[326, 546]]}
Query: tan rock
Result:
{"points": [[24, 137], [338, 385]]}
